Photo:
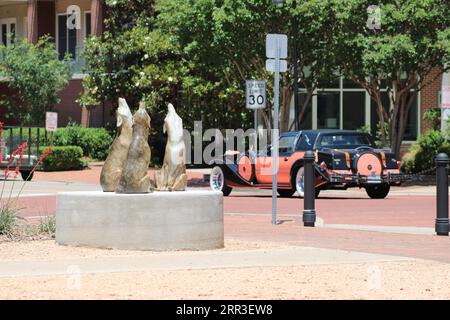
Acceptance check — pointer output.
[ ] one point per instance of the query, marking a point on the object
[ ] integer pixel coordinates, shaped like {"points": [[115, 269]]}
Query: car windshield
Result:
{"points": [[342, 141], [286, 143]]}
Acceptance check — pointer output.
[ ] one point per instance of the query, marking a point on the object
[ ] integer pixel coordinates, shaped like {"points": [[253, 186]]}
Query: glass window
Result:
{"points": [[67, 38], [342, 141], [306, 142], [88, 24], [354, 110], [4, 34], [411, 126], [328, 110], [286, 143], [306, 120], [12, 32]]}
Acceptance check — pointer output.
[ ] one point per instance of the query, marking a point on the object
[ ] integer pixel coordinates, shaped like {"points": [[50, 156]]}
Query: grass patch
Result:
{"points": [[47, 226], [8, 219]]}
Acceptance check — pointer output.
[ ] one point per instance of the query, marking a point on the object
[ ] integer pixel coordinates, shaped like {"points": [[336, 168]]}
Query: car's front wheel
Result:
{"points": [[300, 183], [379, 191], [217, 181], [286, 193]]}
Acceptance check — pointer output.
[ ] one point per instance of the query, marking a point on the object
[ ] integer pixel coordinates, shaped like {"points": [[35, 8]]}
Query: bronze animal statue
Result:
{"points": [[135, 178], [172, 175], [115, 162]]}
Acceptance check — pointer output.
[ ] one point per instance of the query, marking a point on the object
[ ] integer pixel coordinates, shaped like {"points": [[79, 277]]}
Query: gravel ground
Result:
{"points": [[405, 280], [384, 280], [49, 250]]}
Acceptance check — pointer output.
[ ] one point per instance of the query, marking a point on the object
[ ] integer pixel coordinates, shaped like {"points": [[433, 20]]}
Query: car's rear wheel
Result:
{"points": [[300, 183], [217, 181], [379, 191], [286, 193]]}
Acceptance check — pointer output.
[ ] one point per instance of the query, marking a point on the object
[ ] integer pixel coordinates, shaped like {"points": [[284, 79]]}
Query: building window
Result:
{"points": [[87, 24], [328, 113], [411, 130], [67, 38], [354, 109], [345, 105], [8, 31], [306, 121]]}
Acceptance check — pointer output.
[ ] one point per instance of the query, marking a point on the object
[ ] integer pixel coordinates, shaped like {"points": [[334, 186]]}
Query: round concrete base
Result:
{"points": [[187, 220]]}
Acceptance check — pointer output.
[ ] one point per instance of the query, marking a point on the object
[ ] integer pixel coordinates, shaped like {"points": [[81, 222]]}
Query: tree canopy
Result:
{"points": [[413, 41], [197, 54], [35, 76]]}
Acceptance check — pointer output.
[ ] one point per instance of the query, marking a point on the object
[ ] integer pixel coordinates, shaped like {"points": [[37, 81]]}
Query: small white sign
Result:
{"points": [[256, 94], [274, 41], [51, 121], [270, 65]]}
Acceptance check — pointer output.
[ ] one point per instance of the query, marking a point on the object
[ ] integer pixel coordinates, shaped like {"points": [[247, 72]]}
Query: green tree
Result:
{"points": [[34, 76], [414, 40], [226, 38], [198, 54]]}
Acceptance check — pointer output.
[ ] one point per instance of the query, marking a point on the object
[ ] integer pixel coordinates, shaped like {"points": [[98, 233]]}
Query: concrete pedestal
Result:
{"points": [[189, 220]]}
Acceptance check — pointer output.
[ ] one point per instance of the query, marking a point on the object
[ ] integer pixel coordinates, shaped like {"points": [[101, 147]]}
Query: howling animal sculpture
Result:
{"points": [[117, 157], [135, 178], [172, 175]]}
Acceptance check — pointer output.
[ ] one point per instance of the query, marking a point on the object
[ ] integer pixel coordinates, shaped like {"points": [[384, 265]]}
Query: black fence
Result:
{"points": [[12, 137]]}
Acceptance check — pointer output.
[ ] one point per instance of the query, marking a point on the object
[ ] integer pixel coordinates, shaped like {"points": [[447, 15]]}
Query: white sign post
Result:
{"points": [[276, 49], [51, 121], [256, 99]]}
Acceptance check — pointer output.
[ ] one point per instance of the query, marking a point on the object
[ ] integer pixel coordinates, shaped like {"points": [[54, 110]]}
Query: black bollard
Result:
{"points": [[442, 222], [309, 211]]}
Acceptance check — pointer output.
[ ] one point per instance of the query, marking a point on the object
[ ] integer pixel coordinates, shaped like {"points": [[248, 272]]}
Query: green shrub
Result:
{"points": [[7, 219], [95, 142], [63, 158], [421, 156]]}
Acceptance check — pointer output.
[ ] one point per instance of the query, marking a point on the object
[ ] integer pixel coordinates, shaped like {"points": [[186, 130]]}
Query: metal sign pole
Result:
{"points": [[275, 134], [255, 121]]}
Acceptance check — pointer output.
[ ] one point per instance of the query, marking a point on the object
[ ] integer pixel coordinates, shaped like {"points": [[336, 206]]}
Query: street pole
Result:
{"points": [[442, 221], [255, 122], [309, 210], [275, 134], [295, 86]]}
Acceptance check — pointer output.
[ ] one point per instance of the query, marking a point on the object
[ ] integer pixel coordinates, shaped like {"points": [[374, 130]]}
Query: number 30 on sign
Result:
{"points": [[256, 94]]}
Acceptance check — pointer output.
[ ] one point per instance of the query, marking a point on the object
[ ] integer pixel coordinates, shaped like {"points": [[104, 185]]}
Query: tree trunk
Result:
{"points": [[403, 106], [285, 106], [380, 112]]}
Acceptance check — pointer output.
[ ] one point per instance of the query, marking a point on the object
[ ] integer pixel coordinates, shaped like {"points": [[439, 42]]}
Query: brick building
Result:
{"points": [[32, 19]]}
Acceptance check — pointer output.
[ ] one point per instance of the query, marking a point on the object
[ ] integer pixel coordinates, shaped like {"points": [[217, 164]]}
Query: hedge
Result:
{"points": [[94, 142], [63, 158], [421, 155]]}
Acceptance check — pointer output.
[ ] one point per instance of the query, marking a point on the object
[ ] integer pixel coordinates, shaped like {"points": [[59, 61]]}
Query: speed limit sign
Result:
{"points": [[256, 94]]}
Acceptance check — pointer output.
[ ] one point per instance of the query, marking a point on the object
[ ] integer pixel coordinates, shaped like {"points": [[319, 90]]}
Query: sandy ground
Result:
{"points": [[49, 250], [384, 280], [404, 280]]}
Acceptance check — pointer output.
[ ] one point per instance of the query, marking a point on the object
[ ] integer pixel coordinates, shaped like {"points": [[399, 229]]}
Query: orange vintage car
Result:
{"points": [[344, 159]]}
